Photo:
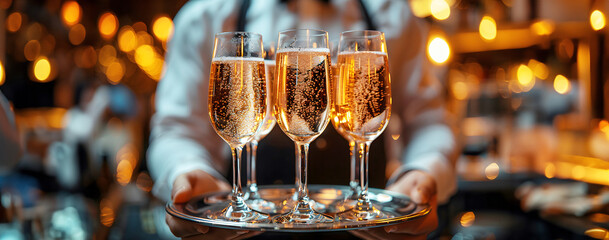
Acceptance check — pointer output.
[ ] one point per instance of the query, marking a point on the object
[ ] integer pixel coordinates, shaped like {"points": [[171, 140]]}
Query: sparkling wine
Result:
{"points": [[302, 96], [362, 98], [237, 97], [269, 120]]}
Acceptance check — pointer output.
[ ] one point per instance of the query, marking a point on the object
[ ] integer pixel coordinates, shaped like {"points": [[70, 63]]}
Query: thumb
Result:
{"points": [[182, 189]]}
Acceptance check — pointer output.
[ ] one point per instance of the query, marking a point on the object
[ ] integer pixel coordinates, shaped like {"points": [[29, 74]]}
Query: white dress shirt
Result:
{"points": [[183, 139]]}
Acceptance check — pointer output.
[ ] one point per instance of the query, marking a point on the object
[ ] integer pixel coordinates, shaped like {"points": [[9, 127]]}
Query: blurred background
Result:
{"points": [[525, 80]]}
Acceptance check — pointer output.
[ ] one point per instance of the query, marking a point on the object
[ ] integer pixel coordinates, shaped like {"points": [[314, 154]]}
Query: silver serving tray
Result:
{"points": [[328, 200]]}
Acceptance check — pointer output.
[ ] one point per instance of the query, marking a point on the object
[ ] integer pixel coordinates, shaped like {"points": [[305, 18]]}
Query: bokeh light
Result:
{"points": [[561, 84], [77, 34], [148, 59], [42, 69], [127, 40], [420, 8], [31, 51], [488, 28], [459, 90], [438, 50], [115, 72], [13, 22], [540, 70], [597, 20], [543, 27], [440, 9], [107, 55], [524, 75], [70, 13], [550, 170], [108, 25], [491, 171], [163, 28], [2, 74], [467, 219]]}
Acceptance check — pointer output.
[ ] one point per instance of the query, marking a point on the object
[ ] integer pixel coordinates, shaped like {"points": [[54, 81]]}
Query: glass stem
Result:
{"points": [[302, 149], [363, 201], [252, 148], [355, 173], [237, 198]]}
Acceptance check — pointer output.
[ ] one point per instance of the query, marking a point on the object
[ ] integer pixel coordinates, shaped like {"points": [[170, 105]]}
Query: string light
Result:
{"points": [[163, 28], [597, 20], [561, 84], [70, 13], [127, 40], [488, 28], [42, 69], [440, 9], [108, 25], [13, 22], [438, 50]]}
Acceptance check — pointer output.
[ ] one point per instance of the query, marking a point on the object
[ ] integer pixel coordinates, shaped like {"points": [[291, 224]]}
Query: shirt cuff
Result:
{"points": [[437, 166]]}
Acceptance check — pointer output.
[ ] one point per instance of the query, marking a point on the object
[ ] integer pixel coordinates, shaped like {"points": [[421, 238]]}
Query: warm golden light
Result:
{"points": [[71, 13], [31, 51], [540, 70], [395, 136], [127, 40], [143, 38], [438, 50], [13, 22], [107, 55], [488, 28], [597, 233], [440, 9], [42, 69], [578, 172], [420, 8], [2, 74], [550, 170], [163, 28], [115, 72], [467, 219], [77, 34], [150, 61], [144, 55], [561, 84], [5, 4], [124, 170], [459, 90], [524, 75], [106, 216], [597, 20], [491, 171], [543, 27], [108, 25], [603, 125]]}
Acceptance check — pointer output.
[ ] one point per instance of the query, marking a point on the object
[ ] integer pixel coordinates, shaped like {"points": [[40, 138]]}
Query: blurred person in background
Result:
{"points": [[186, 157], [10, 147]]}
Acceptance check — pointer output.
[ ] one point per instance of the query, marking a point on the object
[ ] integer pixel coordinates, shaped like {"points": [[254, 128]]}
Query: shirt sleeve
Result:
{"points": [[9, 137], [182, 138], [426, 137]]}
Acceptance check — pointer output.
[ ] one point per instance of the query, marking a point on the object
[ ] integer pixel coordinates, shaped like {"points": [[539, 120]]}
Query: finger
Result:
{"points": [[182, 189], [182, 228]]}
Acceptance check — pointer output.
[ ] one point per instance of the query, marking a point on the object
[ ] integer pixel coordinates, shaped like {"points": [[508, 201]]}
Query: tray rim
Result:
{"points": [[331, 227]]}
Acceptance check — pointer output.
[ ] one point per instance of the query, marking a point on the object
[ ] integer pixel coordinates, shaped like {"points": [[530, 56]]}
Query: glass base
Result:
{"points": [[358, 214], [262, 205], [240, 214], [304, 214], [289, 204]]}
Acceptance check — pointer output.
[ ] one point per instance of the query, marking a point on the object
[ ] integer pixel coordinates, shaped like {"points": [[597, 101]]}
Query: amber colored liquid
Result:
{"points": [[237, 98], [302, 103], [362, 94], [269, 119]]}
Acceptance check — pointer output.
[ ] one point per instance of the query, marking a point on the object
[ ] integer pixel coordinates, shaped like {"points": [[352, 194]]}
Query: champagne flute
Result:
{"points": [[237, 105], [362, 103], [253, 197], [302, 106]]}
